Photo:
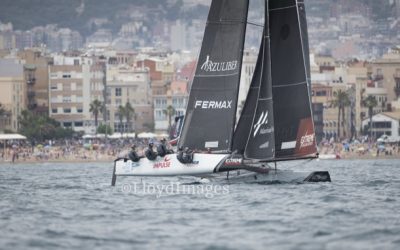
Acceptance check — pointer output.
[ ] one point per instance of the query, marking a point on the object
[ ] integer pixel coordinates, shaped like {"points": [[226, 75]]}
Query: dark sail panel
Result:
{"points": [[261, 140], [210, 114], [294, 128], [305, 44], [246, 117]]}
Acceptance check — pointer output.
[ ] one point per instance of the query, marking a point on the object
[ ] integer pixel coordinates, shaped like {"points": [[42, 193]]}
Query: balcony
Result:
{"points": [[397, 90], [377, 78], [397, 77], [31, 94]]}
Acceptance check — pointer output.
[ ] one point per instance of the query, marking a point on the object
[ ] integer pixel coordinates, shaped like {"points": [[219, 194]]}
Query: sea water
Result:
{"points": [[73, 206]]}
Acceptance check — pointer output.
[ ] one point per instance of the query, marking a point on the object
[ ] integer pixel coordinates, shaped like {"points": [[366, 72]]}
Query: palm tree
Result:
{"points": [[96, 107], [129, 113], [341, 101], [169, 111], [370, 102], [121, 114]]}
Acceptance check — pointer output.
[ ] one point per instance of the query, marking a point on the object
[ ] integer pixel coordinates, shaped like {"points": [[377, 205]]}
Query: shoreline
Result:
{"points": [[342, 157]]}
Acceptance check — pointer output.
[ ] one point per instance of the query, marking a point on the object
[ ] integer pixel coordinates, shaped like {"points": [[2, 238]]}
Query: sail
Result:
{"points": [[210, 114], [294, 127], [261, 141], [243, 127], [305, 44]]}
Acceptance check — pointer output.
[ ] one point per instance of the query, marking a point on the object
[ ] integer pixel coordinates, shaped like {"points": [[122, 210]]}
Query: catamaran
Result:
{"points": [[276, 123]]}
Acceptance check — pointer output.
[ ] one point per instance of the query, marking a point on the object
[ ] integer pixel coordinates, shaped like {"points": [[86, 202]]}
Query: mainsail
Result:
{"points": [[210, 114], [294, 127], [277, 111]]}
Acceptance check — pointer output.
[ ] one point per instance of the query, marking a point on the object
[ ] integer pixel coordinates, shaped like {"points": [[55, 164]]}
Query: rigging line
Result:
{"points": [[236, 22], [289, 85], [255, 24], [282, 8], [227, 22]]}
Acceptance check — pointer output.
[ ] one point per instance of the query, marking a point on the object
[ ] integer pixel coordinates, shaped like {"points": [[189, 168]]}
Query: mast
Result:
{"points": [[210, 114]]}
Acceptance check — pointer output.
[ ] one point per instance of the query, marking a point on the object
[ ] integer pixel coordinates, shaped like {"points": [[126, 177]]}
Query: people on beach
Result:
{"points": [[108, 150]]}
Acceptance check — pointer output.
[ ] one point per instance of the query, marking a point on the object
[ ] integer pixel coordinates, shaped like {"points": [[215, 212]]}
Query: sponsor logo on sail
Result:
{"points": [[264, 131], [210, 66], [263, 120], [166, 163], [265, 145], [213, 104], [307, 140], [233, 162]]}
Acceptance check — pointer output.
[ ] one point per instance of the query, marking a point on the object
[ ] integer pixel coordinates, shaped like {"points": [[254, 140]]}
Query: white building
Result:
{"points": [[248, 67], [73, 84], [386, 123], [178, 36], [128, 84], [176, 96], [12, 94]]}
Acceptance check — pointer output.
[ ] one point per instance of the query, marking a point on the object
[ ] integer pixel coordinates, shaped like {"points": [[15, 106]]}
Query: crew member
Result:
{"points": [[179, 156], [188, 155], [133, 156], [150, 154], [162, 149]]}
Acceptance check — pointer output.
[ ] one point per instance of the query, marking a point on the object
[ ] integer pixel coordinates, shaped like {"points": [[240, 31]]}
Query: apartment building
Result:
{"points": [[73, 84], [175, 95], [129, 84], [12, 94], [387, 71], [37, 79]]}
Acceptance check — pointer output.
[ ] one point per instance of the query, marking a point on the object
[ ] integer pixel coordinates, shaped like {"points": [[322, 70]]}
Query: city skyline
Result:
{"points": [[340, 28]]}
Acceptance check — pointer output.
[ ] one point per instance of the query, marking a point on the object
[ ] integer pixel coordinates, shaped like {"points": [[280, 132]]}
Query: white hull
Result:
{"points": [[169, 166], [209, 166], [328, 156], [273, 176]]}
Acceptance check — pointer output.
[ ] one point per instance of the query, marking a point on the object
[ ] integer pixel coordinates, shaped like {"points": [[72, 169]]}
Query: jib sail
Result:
{"points": [[260, 144]]}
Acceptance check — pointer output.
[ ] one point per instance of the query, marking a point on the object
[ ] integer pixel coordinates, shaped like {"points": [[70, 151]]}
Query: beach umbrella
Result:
{"points": [[146, 135], [164, 135], [360, 149]]}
